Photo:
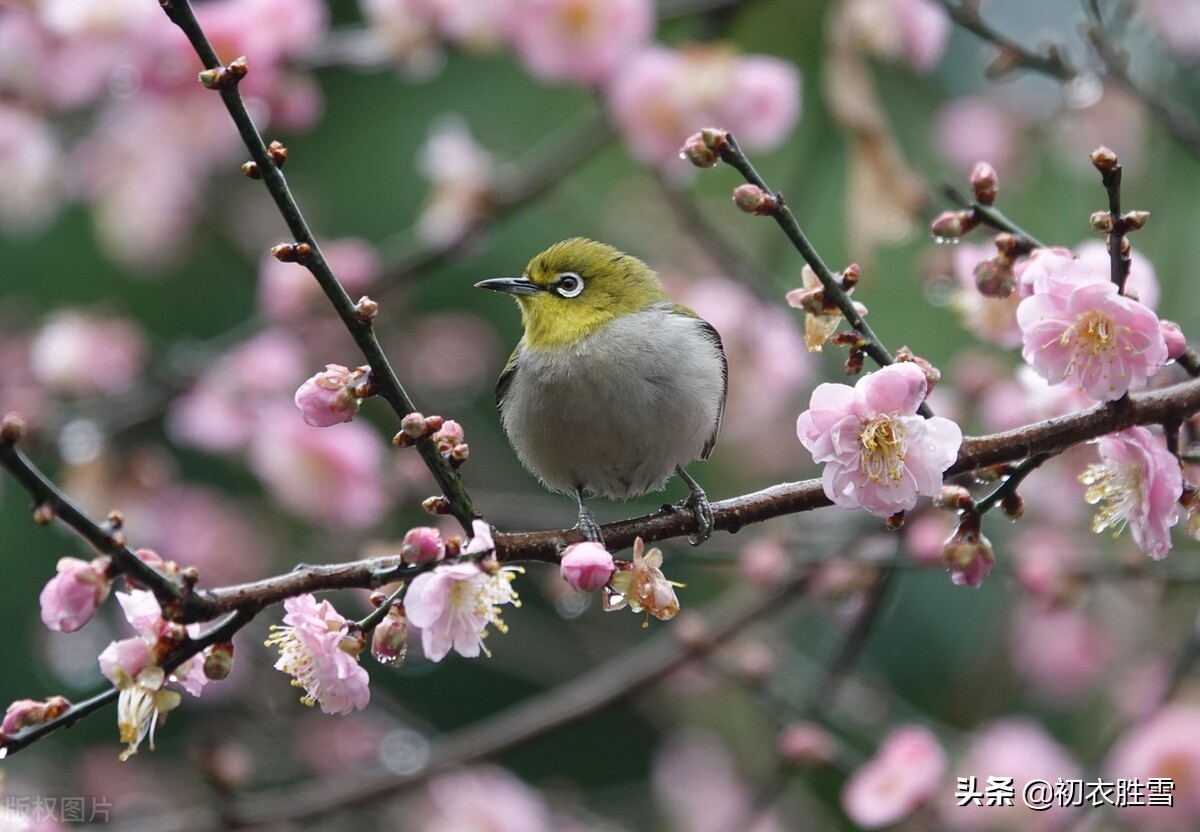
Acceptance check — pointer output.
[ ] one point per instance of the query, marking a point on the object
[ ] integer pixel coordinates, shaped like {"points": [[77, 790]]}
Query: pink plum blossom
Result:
{"points": [[660, 96], [878, 453], [142, 699], [453, 605], [86, 355], [1061, 652], [72, 596], [30, 169], [287, 294], [991, 319], [1174, 338], [476, 25], [1139, 483], [1164, 745], [904, 773], [326, 476], [405, 32], [1080, 329], [448, 354], [317, 650], [129, 655], [643, 587], [1177, 22], [1016, 748], [586, 566], [1142, 283], [26, 712], [974, 129], [422, 544], [330, 397], [579, 41], [460, 172], [915, 31], [484, 798]]}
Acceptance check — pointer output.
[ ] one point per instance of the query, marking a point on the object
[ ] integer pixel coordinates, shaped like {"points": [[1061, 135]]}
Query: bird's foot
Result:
{"points": [[589, 527], [697, 503]]}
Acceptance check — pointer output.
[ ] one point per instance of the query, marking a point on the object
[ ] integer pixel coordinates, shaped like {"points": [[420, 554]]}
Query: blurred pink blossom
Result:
{"points": [[31, 164], [288, 293], [476, 25], [317, 651], [915, 31], [460, 172], [1139, 483], [1061, 652], [1142, 282], [904, 773], [324, 476], [222, 411], [990, 319], [1077, 328], [1016, 748], [764, 561], [1177, 22], [1114, 119], [1166, 745], [978, 129], [70, 599], [453, 605], [661, 96], [483, 799], [86, 355], [877, 452], [1047, 557], [450, 353], [925, 534], [579, 41], [1026, 398]]}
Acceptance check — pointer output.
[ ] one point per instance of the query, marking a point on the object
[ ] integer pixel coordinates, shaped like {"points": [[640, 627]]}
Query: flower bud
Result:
{"points": [[953, 498], [699, 151], [586, 566], [994, 277], [984, 183], [754, 200], [806, 744], [218, 661], [12, 427], [1101, 222], [330, 397], [278, 153], [932, 374], [895, 522], [448, 436], [1136, 220], [422, 544], [366, 309], [26, 712], [1173, 335], [43, 514], [967, 553], [1104, 159], [71, 597], [389, 642], [1013, 506], [950, 225], [436, 505], [250, 170], [413, 425], [291, 252]]}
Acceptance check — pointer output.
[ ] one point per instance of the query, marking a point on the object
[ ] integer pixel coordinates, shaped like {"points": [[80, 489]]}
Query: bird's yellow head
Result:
{"points": [[574, 288]]}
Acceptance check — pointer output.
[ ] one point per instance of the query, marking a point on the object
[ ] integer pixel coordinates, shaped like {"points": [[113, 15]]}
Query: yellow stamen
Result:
{"points": [[883, 448]]}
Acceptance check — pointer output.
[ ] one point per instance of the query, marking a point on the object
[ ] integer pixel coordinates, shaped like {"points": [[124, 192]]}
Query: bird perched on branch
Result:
{"points": [[614, 387]]}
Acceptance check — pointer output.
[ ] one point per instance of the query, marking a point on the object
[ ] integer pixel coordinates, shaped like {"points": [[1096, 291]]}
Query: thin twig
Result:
{"points": [[1014, 479], [993, 217], [1012, 54], [382, 375]]}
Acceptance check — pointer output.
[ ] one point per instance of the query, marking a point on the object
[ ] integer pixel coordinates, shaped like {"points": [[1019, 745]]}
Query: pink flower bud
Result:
{"points": [[586, 566], [697, 151], [413, 425], [329, 397], [449, 435], [753, 200], [952, 224], [984, 183], [1176, 341], [422, 544], [994, 278], [968, 556], [218, 661], [389, 642], [805, 743], [70, 598], [26, 712]]}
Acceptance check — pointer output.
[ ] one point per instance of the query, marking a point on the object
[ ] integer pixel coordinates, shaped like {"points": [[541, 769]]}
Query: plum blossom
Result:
{"points": [[1142, 283], [821, 319], [30, 169], [331, 397], [991, 319], [878, 453], [142, 699], [406, 32], [422, 544], [1060, 651], [85, 355], [72, 596], [1077, 327], [1139, 483], [904, 773], [967, 130], [26, 712], [1165, 745], [1177, 22], [581, 41], [642, 586], [484, 798], [915, 31], [660, 96], [453, 605], [586, 566], [460, 172], [317, 649]]}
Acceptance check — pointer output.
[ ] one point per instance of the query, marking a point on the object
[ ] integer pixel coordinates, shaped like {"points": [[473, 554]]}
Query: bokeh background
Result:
{"points": [[153, 346]]}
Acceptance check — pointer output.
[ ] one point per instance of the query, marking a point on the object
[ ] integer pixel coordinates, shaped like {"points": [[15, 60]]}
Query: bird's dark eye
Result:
{"points": [[568, 285]]}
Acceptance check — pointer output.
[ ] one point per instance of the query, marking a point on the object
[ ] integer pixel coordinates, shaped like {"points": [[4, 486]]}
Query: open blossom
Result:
{"points": [[71, 597], [821, 319], [485, 798], [454, 603], [1142, 282], [661, 96], [1078, 328], [318, 652], [577, 40], [330, 397], [1165, 745], [903, 774], [142, 699], [1139, 483], [643, 586], [144, 614], [86, 355], [586, 566], [878, 453]]}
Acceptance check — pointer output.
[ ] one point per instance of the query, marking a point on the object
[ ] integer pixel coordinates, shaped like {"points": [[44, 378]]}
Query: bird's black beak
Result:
{"points": [[510, 285]]}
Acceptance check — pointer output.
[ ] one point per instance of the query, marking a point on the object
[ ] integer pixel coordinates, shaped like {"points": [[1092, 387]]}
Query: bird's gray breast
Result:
{"points": [[617, 411]]}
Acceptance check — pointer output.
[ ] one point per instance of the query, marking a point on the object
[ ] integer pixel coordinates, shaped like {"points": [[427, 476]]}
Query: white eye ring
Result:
{"points": [[568, 284]]}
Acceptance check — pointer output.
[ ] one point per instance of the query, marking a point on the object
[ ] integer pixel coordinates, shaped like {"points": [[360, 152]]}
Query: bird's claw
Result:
{"points": [[701, 509], [588, 527]]}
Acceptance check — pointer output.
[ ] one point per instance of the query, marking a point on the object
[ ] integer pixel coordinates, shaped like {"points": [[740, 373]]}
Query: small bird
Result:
{"points": [[614, 387]]}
